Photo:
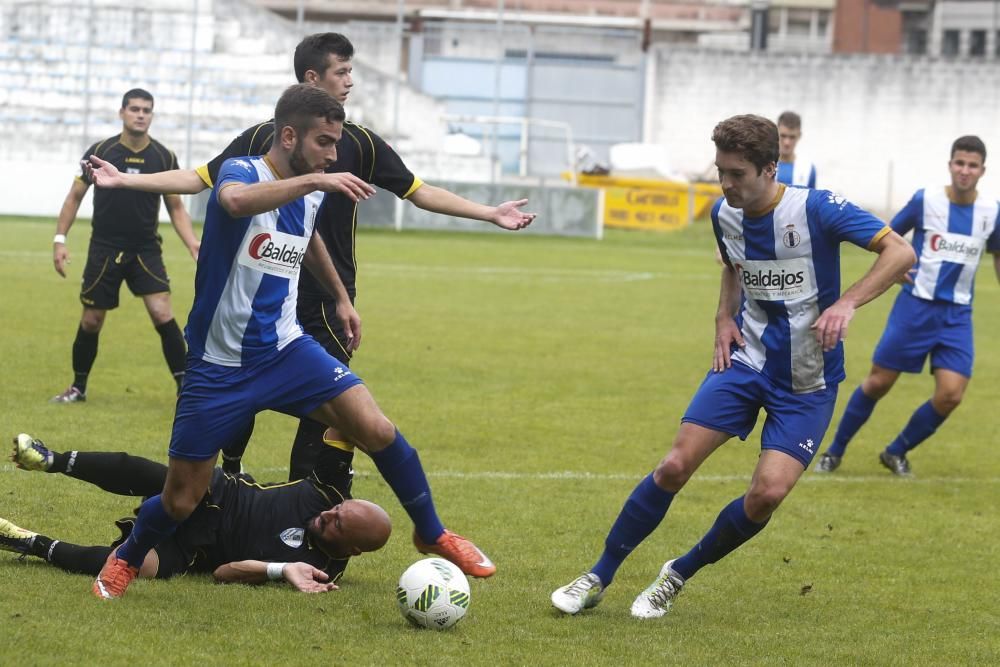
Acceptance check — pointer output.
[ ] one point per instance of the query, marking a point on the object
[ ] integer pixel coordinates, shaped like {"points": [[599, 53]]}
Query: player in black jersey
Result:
{"points": [[304, 532], [124, 243], [324, 60]]}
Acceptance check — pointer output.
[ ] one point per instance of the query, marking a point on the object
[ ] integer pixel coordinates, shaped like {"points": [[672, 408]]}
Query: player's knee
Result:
{"points": [[180, 505], [92, 320], [672, 473], [377, 433], [946, 401], [876, 386], [763, 499]]}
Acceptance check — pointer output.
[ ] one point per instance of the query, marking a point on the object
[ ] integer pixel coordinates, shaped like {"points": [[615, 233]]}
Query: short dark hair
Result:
{"points": [[300, 105], [753, 137], [791, 120], [970, 143], [313, 52], [136, 93]]}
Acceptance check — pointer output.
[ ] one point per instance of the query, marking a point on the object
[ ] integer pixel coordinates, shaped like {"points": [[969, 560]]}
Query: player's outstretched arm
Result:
{"points": [[103, 174], [438, 200], [181, 221], [726, 330], [895, 257], [246, 199], [302, 576], [67, 215], [319, 264]]}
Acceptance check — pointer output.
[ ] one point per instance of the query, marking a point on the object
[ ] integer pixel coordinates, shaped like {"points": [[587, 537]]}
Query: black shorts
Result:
{"points": [[142, 271], [319, 319]]}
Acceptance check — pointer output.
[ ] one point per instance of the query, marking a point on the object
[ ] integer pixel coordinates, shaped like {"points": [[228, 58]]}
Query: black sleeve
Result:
{"points": [[333, 469], [387, 169], [252, 141]]}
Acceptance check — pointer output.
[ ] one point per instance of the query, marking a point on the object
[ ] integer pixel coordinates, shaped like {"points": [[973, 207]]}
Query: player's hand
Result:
{"points": [[509, 216], [194, 248], [907, 278], [831, 326], [347, 183], [307, 578], [350, 322], [101, 173], [60, 257], [726, 333]]}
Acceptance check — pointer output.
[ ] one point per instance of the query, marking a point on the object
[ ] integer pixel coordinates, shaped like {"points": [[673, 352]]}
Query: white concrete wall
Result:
{"points": [[877, 127]]}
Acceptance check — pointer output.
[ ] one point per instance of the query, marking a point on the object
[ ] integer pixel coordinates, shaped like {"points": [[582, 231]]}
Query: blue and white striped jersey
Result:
{"points": [[949, 240], [801, 172], [248, 273], [788, 264]]}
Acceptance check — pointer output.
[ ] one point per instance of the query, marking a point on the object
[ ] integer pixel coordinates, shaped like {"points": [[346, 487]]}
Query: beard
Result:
{"points": [[298, 163]]}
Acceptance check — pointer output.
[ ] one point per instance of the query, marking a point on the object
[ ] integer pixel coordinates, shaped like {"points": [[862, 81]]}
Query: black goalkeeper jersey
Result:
{"points": [[359, 151], [128, 219], [269, 523]]}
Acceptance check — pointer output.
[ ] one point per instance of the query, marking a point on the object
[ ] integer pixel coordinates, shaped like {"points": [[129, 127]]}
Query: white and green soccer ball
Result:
{"points": [[433, 593]]}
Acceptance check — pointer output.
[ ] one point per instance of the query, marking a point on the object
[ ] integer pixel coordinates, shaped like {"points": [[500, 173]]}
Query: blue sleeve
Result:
{"points": [[911, 215], [993, 242], [812, 177], [236, 170], [844, 221], [718, 231]]}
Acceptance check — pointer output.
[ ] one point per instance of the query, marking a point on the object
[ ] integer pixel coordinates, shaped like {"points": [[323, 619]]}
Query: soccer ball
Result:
{"points": [[433, 593]]}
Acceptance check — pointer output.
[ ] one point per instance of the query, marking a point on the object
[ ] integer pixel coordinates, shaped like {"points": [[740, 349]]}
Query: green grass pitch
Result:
{"points": [[540, 378]]}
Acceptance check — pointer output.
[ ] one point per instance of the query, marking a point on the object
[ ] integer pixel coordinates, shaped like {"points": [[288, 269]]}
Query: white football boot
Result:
{"points": [[582, 593], [657, 599]]}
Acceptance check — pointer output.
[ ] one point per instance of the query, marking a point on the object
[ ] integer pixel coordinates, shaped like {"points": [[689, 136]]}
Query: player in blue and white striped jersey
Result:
{"points": [[779, 328], [247, 352], [793, 169], [932, 316]]}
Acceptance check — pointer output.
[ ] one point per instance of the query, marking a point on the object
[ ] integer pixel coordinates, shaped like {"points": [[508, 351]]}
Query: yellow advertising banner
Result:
{"points": [[641, 203]]}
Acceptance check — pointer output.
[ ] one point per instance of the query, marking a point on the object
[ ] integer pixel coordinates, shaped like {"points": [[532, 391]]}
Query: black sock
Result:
{"points": [[70, 557], [305, 449], [174, 349], [84, 354], [115, 472], [233, 452], [60, 461]]}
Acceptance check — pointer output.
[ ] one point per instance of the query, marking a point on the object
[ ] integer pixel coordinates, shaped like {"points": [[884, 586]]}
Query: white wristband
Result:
{"points": [[276, 571], [59, 238]]}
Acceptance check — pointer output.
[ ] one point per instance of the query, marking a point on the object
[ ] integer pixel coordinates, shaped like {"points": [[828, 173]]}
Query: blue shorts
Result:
{"points": [[217, 403], [918, 328], [730, 402]]}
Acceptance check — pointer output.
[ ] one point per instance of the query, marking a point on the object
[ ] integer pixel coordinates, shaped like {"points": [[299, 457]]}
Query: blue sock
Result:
{"points": [[152, 526], [400, 467], [859, 409], [922, 424], [640, 516], [731, 529]]}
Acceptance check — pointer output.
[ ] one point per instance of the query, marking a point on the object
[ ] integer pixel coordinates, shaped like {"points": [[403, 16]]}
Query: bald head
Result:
{"points": [[365, 526]]}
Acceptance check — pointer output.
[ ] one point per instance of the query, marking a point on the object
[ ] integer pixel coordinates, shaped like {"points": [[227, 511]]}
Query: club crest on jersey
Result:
{"points": [[293, 537], [273, 252], [790, 237]]}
